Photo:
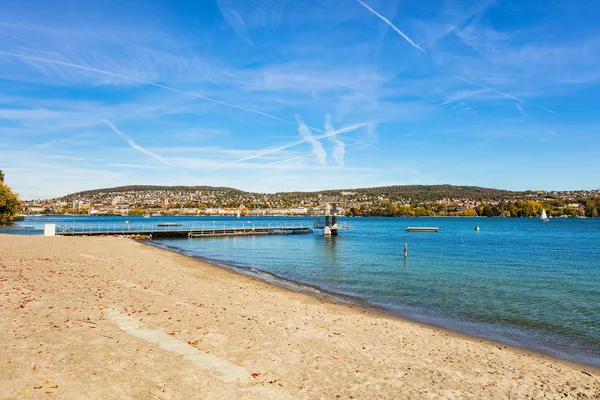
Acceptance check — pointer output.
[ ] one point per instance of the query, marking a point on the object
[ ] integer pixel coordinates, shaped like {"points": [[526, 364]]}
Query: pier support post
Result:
{"points": [[334, 230]]}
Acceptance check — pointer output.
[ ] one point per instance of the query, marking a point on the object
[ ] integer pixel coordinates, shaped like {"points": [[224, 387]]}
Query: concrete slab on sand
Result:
{"points": [[110, 318]]}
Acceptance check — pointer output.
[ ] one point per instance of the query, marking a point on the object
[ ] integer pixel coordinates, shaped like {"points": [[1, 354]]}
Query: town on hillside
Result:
{"points": [[410, 200]]}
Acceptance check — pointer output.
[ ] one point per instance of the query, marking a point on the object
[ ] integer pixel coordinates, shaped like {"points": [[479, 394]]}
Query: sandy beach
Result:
{"points": [[111, 318]]}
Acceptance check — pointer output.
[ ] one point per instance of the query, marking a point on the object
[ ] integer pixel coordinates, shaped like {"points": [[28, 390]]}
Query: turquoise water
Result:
{"points": [[519, 281]]}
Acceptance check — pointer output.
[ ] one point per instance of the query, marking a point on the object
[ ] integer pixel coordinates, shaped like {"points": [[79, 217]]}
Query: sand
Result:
{"points": [[111, 318]]}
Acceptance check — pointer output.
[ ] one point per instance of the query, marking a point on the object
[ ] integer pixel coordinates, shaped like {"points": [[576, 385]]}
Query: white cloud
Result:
{"points": [[339, 147], [317, 147], [129, 78]]}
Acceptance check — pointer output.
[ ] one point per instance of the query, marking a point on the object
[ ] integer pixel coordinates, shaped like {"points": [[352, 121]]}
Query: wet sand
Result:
{"points": [[111, 318]]}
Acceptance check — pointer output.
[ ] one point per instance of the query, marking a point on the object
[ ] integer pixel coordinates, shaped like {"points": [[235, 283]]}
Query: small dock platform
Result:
{"points": [[422, 229], [181, 231]]}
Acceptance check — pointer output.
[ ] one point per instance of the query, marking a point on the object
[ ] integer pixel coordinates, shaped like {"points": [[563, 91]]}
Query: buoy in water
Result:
{"points": [[476, 228], [405, 250]]}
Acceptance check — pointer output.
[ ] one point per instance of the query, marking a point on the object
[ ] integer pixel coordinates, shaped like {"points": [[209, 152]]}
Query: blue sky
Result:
{"points": [[277, 95]]}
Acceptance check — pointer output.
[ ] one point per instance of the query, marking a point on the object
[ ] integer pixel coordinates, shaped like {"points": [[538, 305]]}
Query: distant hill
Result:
{"points": [[423, 192], [151, 188], [413, 192], [399, 200]]}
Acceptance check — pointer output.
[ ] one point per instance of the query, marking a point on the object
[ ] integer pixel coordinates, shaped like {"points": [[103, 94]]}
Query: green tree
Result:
{"points": [[135, 211], [423, 212], [590, 209], [469, 212], [391, 210], [9, 202]]}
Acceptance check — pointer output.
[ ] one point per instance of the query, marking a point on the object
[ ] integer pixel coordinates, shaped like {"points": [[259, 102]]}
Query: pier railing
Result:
{"points": [[320, 224], [177, 229]]}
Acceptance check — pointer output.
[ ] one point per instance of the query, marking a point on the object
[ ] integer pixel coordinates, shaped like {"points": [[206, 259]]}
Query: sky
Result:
{"points": [[280, 95]]}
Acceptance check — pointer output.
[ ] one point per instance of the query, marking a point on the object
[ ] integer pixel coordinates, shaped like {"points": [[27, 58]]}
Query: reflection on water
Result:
{"points": [[332, 267]]}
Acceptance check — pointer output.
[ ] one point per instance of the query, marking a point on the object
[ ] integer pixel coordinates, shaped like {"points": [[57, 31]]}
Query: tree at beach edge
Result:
{"points": [[10, 204]]}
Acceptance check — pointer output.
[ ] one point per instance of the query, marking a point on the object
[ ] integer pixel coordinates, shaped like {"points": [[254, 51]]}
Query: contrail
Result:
{"points": [[339, 147], [520, 109], [545, 109], [134, 144], [317, 147], [263, 152], [310, 154], [100, 71], [290, 159], [503, 94], [387, 21]]}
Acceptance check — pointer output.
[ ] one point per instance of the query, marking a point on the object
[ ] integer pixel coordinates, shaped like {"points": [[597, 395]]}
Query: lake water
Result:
{"points": [[519, 281]]}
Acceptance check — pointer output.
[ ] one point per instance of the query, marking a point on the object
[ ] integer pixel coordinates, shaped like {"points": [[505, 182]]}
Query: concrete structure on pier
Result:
{"points": [[330, 225]]}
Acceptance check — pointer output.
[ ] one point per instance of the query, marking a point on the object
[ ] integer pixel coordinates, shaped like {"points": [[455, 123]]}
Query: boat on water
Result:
{"points": [[422, 229], [544, 217], [146, 215], [168, 224]]}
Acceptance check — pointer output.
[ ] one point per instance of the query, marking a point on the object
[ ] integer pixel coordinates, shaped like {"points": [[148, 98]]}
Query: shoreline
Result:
{"points": [[358, 303], [112, 318]]}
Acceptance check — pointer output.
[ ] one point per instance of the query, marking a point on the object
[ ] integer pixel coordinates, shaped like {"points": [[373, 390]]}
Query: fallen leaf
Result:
{"points": [[106, 355], [335, 358]]}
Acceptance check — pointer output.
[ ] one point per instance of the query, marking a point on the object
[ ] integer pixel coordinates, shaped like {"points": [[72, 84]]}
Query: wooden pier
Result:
{"points": [[181, 231]]}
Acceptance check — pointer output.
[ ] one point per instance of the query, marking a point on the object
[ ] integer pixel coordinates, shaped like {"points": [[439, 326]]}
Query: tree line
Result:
{"points": [[520, 208], [10, 204]]}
